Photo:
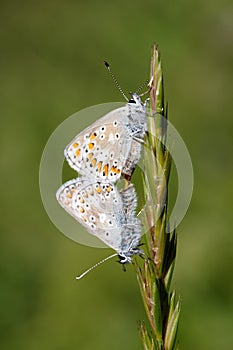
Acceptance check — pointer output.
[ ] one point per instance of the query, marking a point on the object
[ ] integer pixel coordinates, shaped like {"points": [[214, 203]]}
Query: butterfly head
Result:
{"points": [[126, 257], [135, 99]]}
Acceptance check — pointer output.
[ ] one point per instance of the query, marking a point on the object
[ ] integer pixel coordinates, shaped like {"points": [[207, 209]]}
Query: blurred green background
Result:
{"points": [[51, 58]]}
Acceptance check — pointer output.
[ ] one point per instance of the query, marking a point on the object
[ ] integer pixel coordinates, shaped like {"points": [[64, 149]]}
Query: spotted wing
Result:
{"points": [[102, 149], [97, 206]]}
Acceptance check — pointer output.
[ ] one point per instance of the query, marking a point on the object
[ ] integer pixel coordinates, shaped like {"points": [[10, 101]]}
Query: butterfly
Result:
{"points": [[105, 212], [111, 146]]}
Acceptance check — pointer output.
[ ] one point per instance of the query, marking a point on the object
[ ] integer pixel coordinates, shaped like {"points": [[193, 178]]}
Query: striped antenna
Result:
{"points": [[94, 266], [115, 80], [146, 83]]}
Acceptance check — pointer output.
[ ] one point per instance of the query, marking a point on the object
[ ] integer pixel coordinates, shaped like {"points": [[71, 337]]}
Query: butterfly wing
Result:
{"points": [[107, 146], [97, 206]]}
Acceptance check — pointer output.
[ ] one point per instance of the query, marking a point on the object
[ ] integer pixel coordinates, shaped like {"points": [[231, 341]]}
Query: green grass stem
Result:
{"points": [[155, 274]]}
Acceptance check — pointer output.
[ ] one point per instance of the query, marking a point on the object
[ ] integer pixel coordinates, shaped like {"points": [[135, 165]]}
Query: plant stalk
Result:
{"points": [[155, 274]]}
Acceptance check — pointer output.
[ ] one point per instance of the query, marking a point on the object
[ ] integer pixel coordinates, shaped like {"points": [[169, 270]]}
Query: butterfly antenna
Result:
{"points": [[142, 86], [148, 83], [115, 80], [94, 266]]}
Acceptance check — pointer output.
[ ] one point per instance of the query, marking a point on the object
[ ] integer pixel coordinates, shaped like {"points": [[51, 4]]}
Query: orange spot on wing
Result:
{"points": [[78, 152], [93, 162], [109, 188], [113, 169], [75, 145], [91, 145], [99, 166], [90, 156], [93, 136], [106, 169], [81, 210], [69, 195], [98, 189]]}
